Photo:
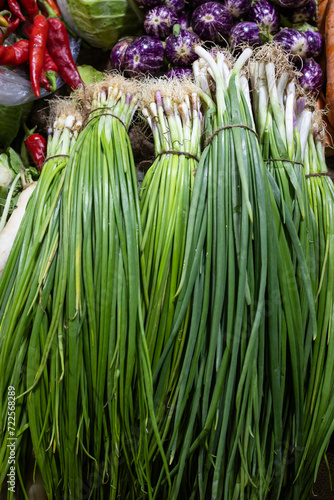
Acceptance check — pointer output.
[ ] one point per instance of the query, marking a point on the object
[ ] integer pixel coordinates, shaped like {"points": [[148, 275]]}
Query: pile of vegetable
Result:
{"points": [[173, 27], [171, 337], [177, 339], [35, 39]]}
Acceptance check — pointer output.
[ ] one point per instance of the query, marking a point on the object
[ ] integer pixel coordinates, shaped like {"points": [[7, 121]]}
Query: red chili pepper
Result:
{"points": [[36, 147], [5, 32], [51, 70], [44, 82], [49, 64], [15, 9], [16, 54], [37, 44], [2, 4], [52, 4], [31, 7], [13, 25], [59, 48]]}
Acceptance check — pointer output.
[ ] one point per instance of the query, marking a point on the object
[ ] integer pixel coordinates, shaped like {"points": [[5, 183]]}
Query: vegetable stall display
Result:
{"points": [[135, 323], [169, 337]]}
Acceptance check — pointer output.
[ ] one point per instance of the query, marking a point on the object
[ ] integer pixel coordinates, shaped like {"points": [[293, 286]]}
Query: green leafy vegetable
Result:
{"points": [[89, 74], [10, 117], [101, 22]]}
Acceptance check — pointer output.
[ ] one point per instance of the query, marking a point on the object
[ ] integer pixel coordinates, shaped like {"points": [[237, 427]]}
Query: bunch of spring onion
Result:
{"points": [[239, 219], [172, 109], [26, 312], [319, 401], [106, 391], [274, 105], [71, 327], [301, 127], [228, 277], [283, 127], [238, 262]]}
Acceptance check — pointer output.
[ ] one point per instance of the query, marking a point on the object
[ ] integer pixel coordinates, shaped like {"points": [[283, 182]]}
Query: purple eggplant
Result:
{"points": [[179, 47], [315, 43], [243, 33], [312, 77], [238, 8], [117, 54], [292, 41], [145, 54], [302, 14], [266, 16], [184, 19], [212, 21], [179, 73], [159, 21], [148, 4], [176, 5]]}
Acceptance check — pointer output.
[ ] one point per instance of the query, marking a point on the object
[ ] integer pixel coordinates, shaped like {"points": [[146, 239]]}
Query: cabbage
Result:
{"points": [[101, 22]]}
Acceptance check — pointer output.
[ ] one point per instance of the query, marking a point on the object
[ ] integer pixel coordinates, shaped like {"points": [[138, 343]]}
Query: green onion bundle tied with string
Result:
{"points": [[172, 109], [290, 137], [238, 261], [26, 312], [237, 217], [274, 102], [97, 306], [283, 122], [319, 399], [72, 338], [283, 126], [224, 273]]}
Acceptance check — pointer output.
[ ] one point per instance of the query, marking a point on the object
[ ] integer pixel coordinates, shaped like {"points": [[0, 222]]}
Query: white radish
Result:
{"points": [[8, 234]]}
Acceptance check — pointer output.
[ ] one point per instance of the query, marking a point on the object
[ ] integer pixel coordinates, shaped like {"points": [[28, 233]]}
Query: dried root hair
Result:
{"points": [[319, 126], [174, 88], [86, 94], [64, 107], [274, 53], [310, 98], [229, 57]]}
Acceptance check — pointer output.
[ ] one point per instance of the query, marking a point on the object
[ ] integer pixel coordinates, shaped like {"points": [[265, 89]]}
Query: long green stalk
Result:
{"points": [[319, 404], [25, 315], [165, 200]]}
